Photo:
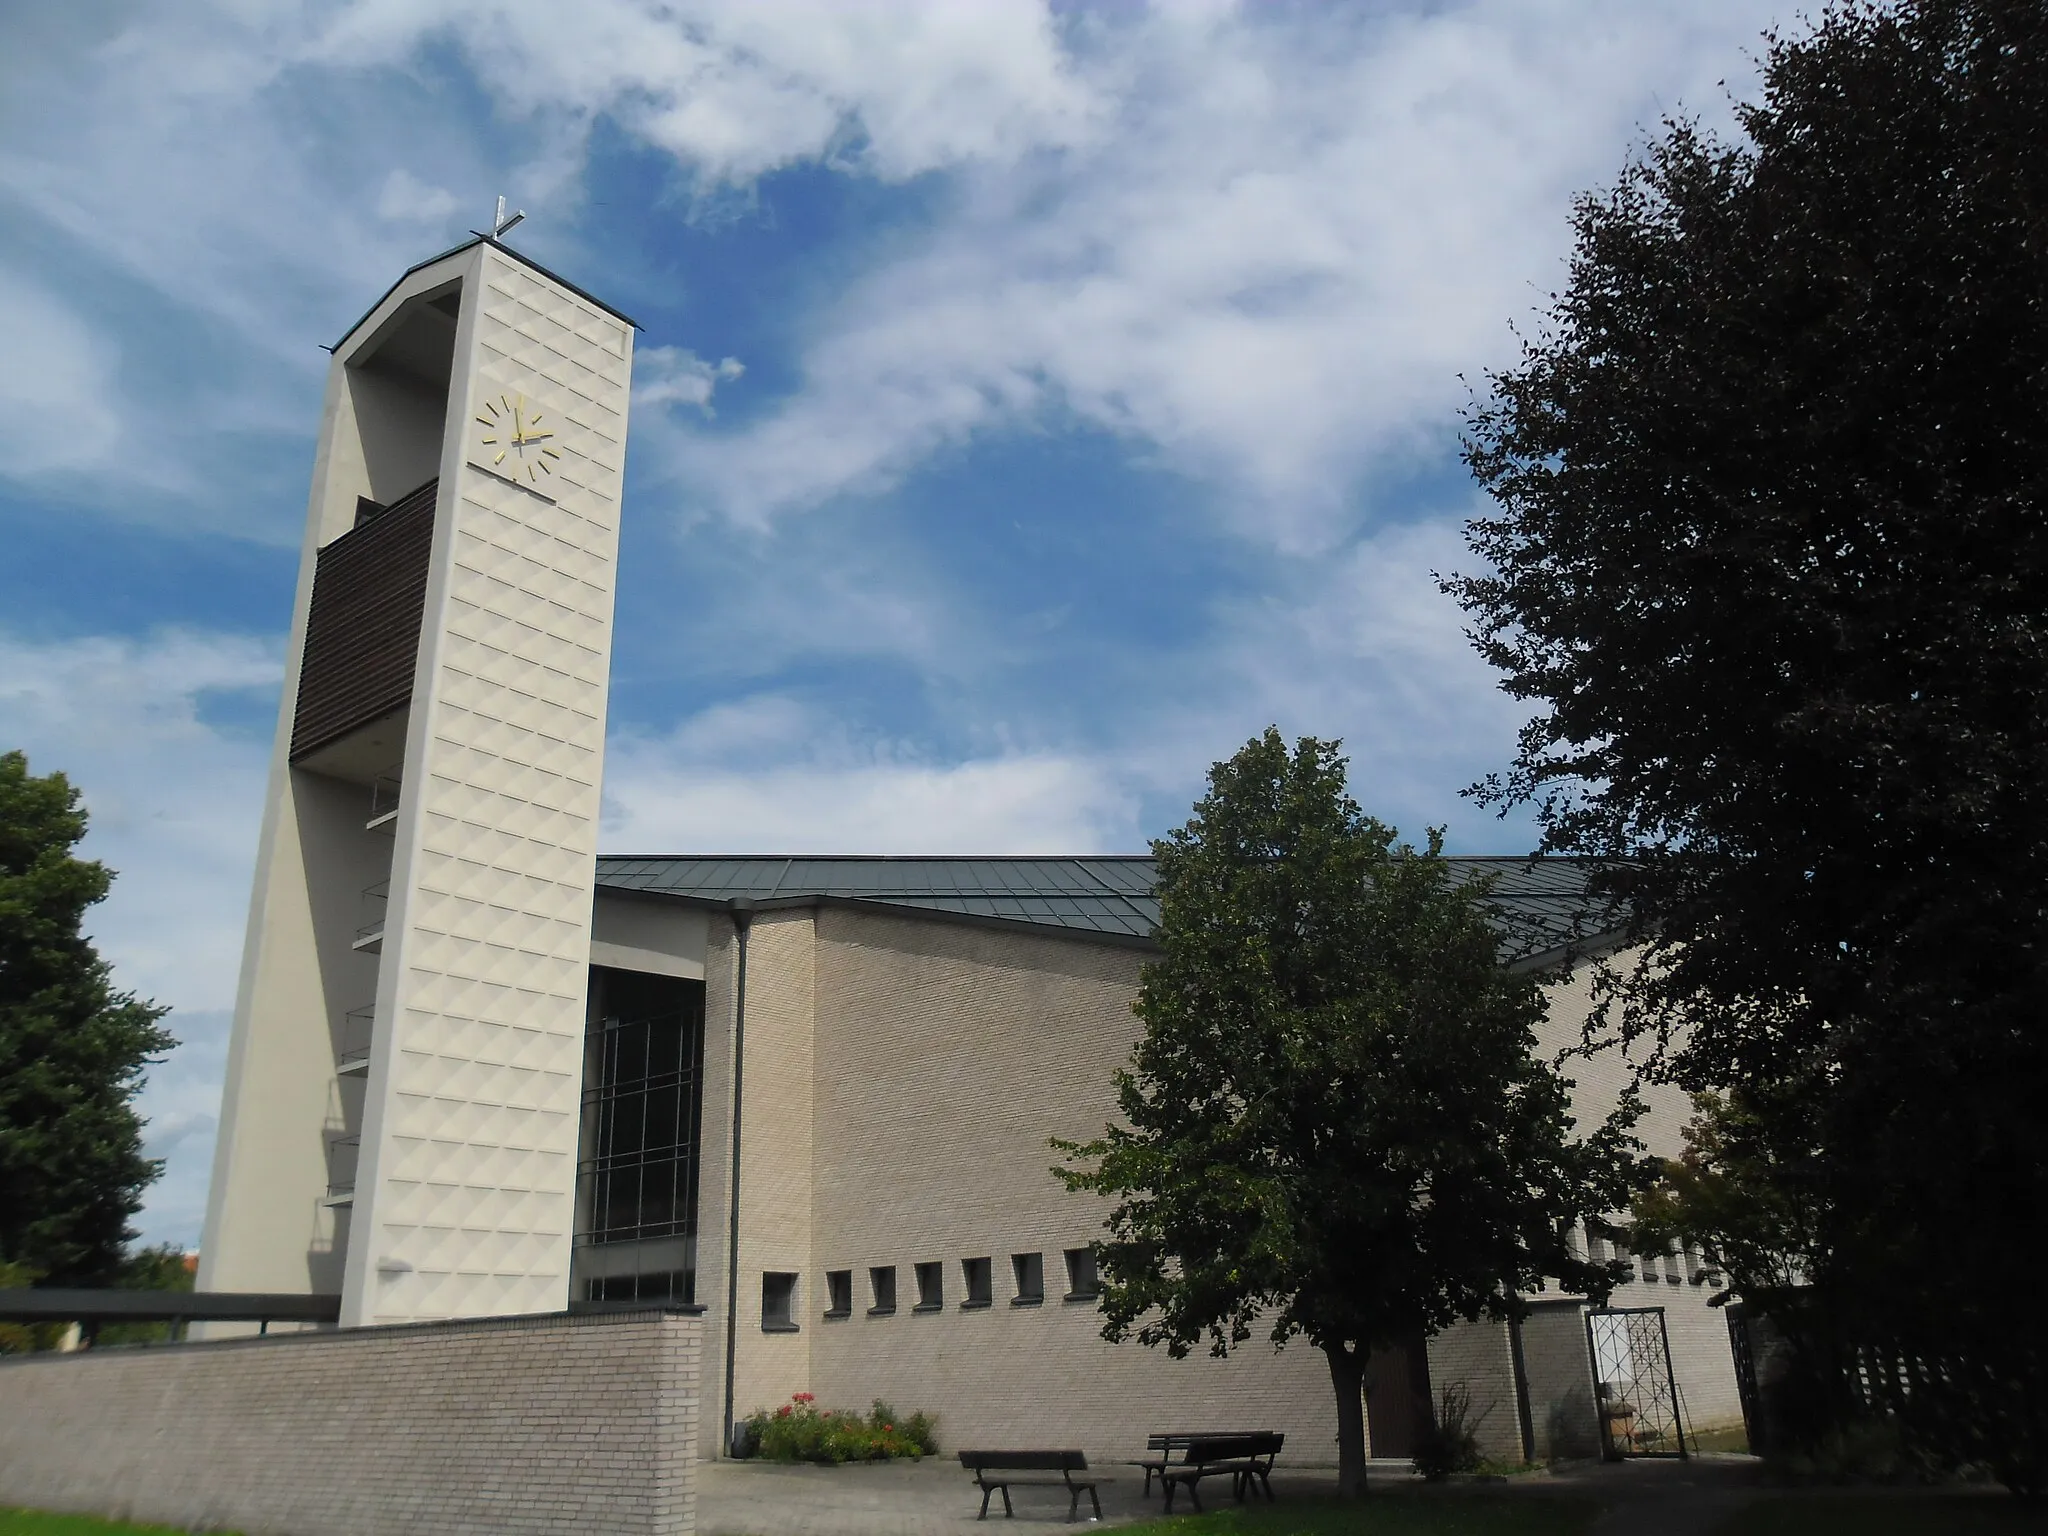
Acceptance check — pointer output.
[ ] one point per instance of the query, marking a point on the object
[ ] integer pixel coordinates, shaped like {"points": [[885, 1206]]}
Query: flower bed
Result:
{"points": [[802, 1431]]}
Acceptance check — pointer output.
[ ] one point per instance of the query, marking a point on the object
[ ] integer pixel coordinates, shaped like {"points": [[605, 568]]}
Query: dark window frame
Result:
{"points": [[931, 1286], [838, 1293], [1084, 1280], [1027, 1274], [978, 1279], [882, 1287], [778, 1314]]}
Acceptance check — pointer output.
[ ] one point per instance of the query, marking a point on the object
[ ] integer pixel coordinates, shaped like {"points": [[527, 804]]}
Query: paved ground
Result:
{"points": [[755, 1498], [1663, 1498], [936, 1498]]}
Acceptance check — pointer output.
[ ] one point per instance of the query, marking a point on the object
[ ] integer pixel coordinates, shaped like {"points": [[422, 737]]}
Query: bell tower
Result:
{"points": [[404, 1077]]}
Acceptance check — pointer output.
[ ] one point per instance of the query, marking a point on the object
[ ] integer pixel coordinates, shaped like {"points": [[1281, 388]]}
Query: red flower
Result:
{"points": [[782, 1412], [803, 1397]]}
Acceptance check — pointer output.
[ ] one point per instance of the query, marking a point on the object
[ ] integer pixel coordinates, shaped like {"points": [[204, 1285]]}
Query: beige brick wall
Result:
{"points": [[776, 1153], [1703, 1366], [944, 1058], [1562, 1415], [903, 1079], [1477, 1354], [535, 1424], [1600, 1078], [714, 1157]]}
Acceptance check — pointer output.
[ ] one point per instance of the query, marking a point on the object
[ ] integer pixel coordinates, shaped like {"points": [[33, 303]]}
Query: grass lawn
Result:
{"points": [[29, 1522], [1881, 1514], [1387, 1514]]}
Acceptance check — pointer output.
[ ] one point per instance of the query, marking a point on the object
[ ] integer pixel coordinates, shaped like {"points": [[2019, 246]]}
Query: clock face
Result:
{"points": [[510, 436]]}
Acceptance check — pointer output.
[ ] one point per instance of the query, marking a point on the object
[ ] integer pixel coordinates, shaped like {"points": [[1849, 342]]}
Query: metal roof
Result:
{"points": [[1539, 904]]}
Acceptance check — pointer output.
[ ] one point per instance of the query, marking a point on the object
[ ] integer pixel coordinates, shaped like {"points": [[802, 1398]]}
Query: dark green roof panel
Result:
{"points": [[1540, 904]]}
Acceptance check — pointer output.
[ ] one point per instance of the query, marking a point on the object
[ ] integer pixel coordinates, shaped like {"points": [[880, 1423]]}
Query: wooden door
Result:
{"points": [[1397, 1404]]}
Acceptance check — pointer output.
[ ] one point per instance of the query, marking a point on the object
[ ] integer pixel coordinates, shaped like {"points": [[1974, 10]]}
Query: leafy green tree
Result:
{"points": [[1769, 558], [72, 1048], [1335, 1125], [160, 1267], [1741, 1193]]}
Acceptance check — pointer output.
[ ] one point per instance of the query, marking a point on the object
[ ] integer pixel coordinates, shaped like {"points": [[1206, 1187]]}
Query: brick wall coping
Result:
{"points": [[523, 1321]]}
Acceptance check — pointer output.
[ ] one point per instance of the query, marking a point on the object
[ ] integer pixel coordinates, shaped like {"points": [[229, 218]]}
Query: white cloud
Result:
{"points": [[1259, 244], [1267, 269], [677, 376], [738, 88], [57, 387], [174, 804], [764, 775], [408, 200]]}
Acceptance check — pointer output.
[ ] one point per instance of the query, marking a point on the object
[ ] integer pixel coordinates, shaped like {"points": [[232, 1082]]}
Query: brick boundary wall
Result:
{"points": [[546, 1423]]}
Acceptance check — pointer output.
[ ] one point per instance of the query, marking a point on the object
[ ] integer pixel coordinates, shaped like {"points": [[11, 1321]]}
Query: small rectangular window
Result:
{"points": [[882, 1283], [931, 1286], [1082, 1284], [839, 1293], [980, 1281], [778, 1303], [1029, 1270]]}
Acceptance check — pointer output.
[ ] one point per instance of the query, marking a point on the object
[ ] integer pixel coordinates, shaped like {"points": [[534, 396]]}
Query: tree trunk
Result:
{"points": [[1347, 1376]]}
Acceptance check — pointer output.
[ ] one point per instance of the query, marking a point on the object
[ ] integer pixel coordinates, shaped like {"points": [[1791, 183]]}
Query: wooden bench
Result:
{"points": [[998, 1471], [1246, 1459], [1162, 1448]]}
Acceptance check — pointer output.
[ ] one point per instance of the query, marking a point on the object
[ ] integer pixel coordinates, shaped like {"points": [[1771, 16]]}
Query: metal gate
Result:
{"points": [[1743, 1349], [1633, 1380]]}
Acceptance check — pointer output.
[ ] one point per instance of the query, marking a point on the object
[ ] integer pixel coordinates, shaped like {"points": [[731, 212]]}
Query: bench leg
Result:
{"points": [[1092, 1499], [1195, 1493], [985, 1492], [1168, 1484], [1008, 1512], [1073, 1505]]}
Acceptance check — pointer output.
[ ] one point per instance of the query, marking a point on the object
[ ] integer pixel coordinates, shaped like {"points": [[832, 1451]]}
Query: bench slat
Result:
{"points": [[1025, 1461]]}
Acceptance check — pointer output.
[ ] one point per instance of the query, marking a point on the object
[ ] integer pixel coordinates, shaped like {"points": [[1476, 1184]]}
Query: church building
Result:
{"points": [[479, 1069]]}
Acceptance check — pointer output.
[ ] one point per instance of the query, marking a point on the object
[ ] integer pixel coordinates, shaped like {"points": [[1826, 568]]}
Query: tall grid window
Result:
{"points": [[637, 1177]]}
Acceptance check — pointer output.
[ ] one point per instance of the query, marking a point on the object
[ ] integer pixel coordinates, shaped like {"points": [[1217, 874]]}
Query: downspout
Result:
{"points": [[1520, 1364], [742, 915]]}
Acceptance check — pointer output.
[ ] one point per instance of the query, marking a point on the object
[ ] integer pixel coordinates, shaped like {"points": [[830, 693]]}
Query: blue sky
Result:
{"points": [[1032, 402]]}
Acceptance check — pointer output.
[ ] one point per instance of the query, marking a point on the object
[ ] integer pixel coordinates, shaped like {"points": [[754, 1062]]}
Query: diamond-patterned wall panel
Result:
{"points": [[472, 1197]]}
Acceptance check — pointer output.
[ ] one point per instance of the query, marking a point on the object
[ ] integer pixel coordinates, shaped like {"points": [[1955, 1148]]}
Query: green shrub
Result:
{"points": [[1451, 1444], [1865, 1450], [802, 1431]]}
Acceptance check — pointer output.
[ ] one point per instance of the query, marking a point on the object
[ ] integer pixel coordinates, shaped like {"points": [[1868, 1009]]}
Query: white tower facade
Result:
{"points": [[404, 1078]]}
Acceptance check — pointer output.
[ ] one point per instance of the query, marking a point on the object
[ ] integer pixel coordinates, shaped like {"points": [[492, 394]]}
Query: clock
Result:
{"points": [[510, 437]]}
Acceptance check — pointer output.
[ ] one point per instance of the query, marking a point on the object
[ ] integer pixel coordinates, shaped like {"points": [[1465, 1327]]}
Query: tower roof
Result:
{"points": [[496, 245]]}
